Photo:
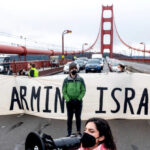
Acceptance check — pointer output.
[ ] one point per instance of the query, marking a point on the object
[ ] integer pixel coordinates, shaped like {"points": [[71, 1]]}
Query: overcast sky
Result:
{"points": [[45, 20]]}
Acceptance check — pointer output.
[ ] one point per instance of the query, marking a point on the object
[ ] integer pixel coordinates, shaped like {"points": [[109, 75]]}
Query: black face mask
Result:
{"points": [[74, 72], [88, 140]]}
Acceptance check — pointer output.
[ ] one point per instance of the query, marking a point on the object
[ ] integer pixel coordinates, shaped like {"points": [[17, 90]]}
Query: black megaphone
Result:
{"points": [[35, 142]]}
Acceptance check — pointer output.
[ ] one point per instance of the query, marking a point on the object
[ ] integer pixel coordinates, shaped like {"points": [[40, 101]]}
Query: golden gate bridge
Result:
{"points": [[24, 51]]}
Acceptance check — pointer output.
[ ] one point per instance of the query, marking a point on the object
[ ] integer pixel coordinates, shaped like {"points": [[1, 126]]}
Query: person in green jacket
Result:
{"points": [[73, 91], [33, 72]]}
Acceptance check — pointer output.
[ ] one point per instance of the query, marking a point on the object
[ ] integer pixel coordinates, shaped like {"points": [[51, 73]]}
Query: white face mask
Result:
{"points": [[118, 70]]}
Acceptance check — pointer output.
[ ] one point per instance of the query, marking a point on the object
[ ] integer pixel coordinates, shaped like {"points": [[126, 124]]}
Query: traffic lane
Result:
{"points": [[145, 68], [128, 134], [105, 69]]}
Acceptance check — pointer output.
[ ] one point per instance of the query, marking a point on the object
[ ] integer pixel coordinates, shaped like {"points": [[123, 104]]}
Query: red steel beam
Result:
{"points": [[4, 49]]}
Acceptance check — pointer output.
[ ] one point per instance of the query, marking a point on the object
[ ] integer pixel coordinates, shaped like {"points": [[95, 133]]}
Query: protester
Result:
{"points": [[29, 65], [97, 136], [7, 70], [22, 72], [73, 91], [118, 68], [74, 57], [33, 72], [121, 68]]}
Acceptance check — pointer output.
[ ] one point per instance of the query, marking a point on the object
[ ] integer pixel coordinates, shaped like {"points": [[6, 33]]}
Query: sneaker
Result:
{"points": [[79, 134], [73, 135], [68, 135]]}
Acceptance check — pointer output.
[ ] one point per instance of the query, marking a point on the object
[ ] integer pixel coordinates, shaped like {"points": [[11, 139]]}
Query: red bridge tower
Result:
{"points": [[107, 32]]}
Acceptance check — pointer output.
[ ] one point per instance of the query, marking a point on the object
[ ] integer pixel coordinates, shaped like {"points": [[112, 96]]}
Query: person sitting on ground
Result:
{"points": [[97, 136]]}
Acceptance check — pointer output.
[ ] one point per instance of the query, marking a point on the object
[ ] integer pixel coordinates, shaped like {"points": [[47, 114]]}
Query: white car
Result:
{"points": [[66, 67], [1, 68]]}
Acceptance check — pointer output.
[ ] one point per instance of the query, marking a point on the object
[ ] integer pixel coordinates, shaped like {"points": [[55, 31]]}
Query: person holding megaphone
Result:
{"points": [[97, 136]]}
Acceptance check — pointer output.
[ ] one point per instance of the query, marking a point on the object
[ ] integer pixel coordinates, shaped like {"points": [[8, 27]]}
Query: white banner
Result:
{"points": [[108, 95]]}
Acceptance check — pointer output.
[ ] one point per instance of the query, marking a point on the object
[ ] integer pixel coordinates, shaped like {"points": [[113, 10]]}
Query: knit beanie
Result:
{"points": [[72, 65]]}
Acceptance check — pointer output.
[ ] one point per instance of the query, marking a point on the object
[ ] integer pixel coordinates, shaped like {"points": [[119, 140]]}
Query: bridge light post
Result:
{"points": [[64, 32], [25, 40], [83, 47], [144, 48], [131, 52]]}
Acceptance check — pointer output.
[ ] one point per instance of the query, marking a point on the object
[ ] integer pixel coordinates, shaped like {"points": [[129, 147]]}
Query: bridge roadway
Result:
{"points": [[141, 67], [128, 134]]}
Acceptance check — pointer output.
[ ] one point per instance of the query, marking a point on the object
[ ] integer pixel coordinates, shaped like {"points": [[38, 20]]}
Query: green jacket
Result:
{"points": [[73, 88], [33, 72]]}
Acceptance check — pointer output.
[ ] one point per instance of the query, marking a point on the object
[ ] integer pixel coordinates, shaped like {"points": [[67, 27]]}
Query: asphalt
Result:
{"points": [[128, 134], [145, 68]]}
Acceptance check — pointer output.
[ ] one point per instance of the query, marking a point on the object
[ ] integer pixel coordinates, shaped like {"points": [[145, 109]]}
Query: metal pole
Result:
{"points": [[25, 41], [83, 48], [144, 51], [63, 43], [64, 32], [131, 52], [63, 47]]}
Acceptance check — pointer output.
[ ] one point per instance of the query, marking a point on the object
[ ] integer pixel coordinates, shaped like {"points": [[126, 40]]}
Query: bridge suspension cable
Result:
{"points": [[127, 45], [94, 43]]}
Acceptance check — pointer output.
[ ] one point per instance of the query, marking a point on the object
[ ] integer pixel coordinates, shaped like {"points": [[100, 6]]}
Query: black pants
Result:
{"points": [[74, 106]]}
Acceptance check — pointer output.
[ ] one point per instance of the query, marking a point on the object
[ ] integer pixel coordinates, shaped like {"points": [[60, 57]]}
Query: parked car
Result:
{"points": [[100, 57], [85, 59], [55, 63], [5, 69], [97, 56], [4, 58], [54, 60], [4, 64], [66, 67], [80, 63], [93, 65], [101, 62]]}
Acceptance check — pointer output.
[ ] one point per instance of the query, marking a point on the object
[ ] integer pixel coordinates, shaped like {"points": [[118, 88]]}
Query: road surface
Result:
{"points": [[128, 134]]}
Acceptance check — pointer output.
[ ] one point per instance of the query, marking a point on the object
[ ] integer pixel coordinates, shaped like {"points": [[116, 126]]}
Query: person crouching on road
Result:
{"points": [[73, 91], [33, 72]]}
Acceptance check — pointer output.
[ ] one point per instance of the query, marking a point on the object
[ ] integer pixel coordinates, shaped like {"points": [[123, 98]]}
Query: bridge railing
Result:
{"points": [[16, 66]]}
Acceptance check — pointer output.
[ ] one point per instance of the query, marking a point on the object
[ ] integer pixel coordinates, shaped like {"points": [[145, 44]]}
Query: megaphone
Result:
{"points": [[35, 142]]}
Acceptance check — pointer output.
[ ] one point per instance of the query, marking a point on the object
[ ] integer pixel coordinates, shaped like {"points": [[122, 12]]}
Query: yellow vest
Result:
{"points": [[36, 72]]}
